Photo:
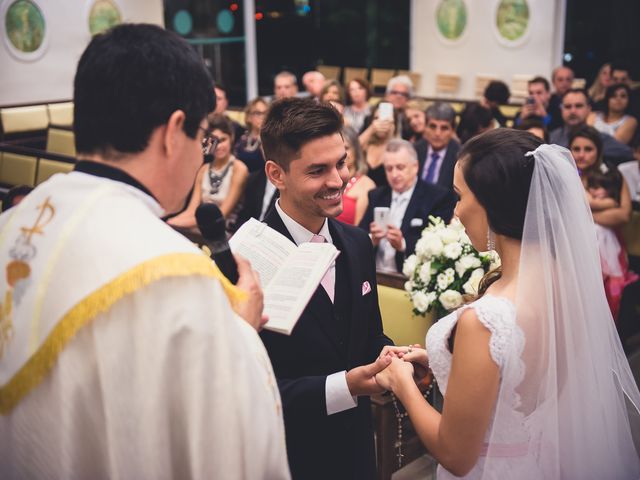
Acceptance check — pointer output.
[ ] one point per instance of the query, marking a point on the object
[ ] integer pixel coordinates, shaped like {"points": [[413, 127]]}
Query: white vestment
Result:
{"points": [[120, 355]]}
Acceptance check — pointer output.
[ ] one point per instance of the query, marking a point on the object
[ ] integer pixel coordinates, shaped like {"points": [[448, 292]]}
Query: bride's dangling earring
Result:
{"points": [[491, 244]]}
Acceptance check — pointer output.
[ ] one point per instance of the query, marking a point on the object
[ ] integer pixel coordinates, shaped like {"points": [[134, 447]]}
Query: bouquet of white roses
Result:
{"points": [[444, 267]]}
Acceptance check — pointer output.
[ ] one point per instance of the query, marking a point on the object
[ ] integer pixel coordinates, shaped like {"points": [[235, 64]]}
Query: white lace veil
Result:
{"points": [[577, 396]]}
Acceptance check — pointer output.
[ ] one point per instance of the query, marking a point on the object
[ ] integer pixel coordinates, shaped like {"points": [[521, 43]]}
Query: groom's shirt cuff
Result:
{"points": [[337, 393]]}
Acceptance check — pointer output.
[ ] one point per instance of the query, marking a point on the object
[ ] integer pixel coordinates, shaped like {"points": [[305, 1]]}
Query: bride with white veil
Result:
{"points": [[533, 375]]}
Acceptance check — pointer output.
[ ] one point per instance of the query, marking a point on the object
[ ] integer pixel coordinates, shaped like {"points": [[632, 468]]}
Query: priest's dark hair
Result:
{"points": [[293, 122], [129, 81]]}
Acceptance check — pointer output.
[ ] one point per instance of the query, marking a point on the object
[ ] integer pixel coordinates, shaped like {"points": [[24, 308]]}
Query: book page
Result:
{"points": [[265, 248], [291, 288]]}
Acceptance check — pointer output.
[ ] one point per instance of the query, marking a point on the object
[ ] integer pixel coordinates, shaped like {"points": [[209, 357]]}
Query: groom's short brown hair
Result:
{"points": [[293, 122]]}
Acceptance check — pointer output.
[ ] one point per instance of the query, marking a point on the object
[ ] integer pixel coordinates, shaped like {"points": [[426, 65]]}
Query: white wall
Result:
{"points": [[50, 77], [479, 51]]}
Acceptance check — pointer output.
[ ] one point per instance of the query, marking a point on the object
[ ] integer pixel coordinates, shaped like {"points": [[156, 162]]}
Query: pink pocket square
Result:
{"points": [[366, 288]]}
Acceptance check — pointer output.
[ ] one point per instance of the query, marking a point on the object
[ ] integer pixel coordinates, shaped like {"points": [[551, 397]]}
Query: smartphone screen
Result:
{"points": [[385, 111]]}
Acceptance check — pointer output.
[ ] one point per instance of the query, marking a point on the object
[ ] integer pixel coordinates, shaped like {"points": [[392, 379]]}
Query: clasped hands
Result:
{"points": [[393, 366]]}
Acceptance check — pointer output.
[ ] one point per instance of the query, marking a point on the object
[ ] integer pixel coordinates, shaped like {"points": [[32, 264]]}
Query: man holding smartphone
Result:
{"points": [[397, 213], [537, 105]]}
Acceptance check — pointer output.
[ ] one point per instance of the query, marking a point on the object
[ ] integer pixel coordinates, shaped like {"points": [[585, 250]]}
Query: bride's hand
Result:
{"points": [[394, 374], [418, 357]]}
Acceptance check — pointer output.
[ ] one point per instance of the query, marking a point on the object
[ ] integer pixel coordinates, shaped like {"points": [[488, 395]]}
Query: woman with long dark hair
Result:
{"points": [[534, 379], [614, 120]]}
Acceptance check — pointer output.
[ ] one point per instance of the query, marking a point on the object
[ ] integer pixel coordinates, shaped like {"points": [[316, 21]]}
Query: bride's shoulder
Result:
{"points": [[497, 315]]}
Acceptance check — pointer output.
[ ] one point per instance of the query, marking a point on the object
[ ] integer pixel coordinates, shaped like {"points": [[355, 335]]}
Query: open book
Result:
{"points": [[289, 274]]}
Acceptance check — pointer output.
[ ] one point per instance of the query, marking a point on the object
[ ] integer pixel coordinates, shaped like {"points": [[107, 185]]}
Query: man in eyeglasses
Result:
{"points": [[120, 353], [398, 93], [575, 110]]}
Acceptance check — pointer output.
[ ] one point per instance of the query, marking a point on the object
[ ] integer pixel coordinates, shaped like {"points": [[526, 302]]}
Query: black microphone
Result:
{"points": [[212, 226]]}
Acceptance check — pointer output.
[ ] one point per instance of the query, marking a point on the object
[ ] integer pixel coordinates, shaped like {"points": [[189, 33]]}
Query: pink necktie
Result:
{"points": [[329, 280]]}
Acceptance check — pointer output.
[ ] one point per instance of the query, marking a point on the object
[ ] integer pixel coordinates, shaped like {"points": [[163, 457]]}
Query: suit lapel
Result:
{"points": [[349, 250]]}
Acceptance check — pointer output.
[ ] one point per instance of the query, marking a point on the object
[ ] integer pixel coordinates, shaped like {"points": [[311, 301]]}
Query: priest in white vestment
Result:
{"points": [[124, 352]]}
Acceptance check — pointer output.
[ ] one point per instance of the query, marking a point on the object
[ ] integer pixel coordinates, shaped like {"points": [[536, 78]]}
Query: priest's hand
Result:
{"points": [[251, 308], [361, 380]]}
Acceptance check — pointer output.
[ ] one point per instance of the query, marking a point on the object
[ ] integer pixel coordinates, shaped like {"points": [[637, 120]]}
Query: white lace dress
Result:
{"points": [[508, 449]]}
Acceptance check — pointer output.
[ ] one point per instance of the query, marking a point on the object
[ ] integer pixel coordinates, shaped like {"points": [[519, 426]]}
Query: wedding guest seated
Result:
{"points": [[614, 119], [355, 197], [410, 202], [610, 204], [535, 126], [599, 86], [374, 142], [14, 196], [398, 93], [562, 80], [285, 85], [438, 152], [474, 120], [538, 104], [621, 73], [575, 111], [248, 147], [417, 118], [332, 91], [222, 104], [631, 170], [357, 109], [313, 82], [220, 181], [495, 94]]}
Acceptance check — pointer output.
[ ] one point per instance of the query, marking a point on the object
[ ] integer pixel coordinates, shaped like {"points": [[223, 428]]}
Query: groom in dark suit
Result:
{"points": [[326, 367], [410, 201]]}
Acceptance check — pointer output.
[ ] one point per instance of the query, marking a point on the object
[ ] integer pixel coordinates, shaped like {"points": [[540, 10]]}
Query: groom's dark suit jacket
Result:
{"points": [[327, 339]]}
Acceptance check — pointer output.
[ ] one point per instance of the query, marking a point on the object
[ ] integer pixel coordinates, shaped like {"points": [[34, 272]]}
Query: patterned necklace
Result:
{"points": [[215, 179]]}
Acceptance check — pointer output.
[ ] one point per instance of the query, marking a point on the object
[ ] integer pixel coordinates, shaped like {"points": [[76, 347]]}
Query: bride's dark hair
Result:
{"points": [[499, 174]]}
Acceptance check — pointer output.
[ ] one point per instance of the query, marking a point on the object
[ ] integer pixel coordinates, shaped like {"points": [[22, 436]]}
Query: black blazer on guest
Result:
{"points": [[253, 197], [329, 338], [427, 199], [445, 178]]}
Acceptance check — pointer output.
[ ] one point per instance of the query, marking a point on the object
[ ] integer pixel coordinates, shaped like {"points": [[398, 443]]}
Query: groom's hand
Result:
{"points": [[362, 380]]}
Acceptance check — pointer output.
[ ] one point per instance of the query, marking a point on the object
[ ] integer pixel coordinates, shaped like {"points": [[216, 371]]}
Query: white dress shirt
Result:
{"points": [[386, 254], [337, 393]]}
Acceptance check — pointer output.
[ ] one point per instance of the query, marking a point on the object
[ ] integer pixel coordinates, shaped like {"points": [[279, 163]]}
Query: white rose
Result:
{"points": [[448, 235], [471, 285], [443, 280], [452, 250], [478, 272], [421, 249], [467, 262], [425, 272], [408, 286], [456, 224], [495, 261], [409, 265], [464, 238], [434, 247], [420, 301], [450, 299]]}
